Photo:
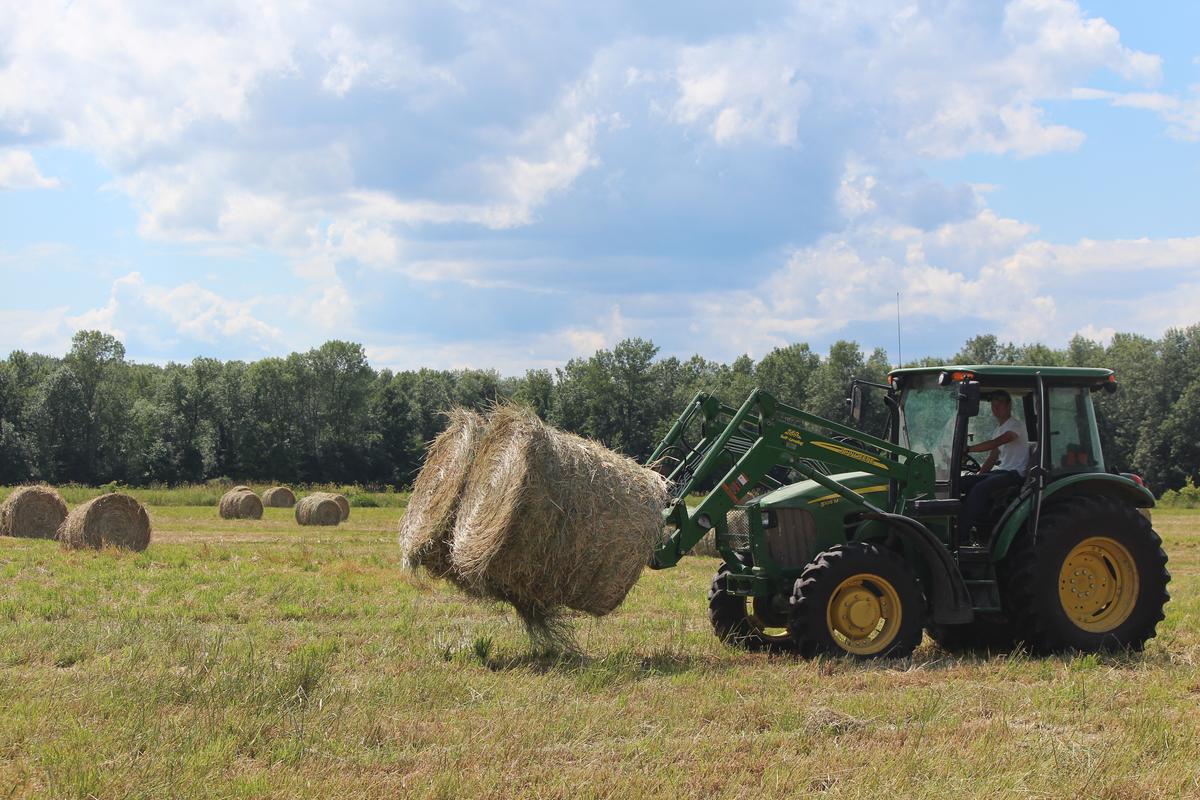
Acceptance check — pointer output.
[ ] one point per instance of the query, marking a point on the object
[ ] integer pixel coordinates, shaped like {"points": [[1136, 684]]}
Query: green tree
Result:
{"points": [[785, 372]]}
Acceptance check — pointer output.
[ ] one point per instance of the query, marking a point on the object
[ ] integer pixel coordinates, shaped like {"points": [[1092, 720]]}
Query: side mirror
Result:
{"points": [[968, 398], [856, 403]]}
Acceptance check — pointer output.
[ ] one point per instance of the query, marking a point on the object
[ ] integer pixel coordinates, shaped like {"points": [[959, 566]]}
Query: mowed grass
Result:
{"points": [[261, 659]]}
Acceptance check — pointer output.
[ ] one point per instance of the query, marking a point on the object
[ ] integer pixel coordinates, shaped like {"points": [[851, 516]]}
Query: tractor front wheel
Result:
{"points": [[1095, 578], [746, 622], [857, 599]]}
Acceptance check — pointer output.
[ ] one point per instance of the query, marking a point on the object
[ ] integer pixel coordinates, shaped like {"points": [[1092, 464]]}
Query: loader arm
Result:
{"points": [[758, 437]]}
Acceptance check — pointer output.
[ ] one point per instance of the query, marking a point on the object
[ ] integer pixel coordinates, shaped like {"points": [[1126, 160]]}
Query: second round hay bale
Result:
{"points": [[428, 520], [243, 504], [32, 512], [279, 497], [342, 503], [318, 509], [110, 520], [551, 521]]}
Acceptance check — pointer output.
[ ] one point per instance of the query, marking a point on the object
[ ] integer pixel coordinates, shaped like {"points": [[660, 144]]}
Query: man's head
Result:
{"points": [[1001, 405]]}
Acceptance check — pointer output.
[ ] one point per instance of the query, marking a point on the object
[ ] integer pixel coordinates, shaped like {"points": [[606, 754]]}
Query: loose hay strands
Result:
{"points": [[110, 520], [241, 488], [243, 504], [551, 521], [318, 509], [428, 521], [279, 497], [32, 512]]}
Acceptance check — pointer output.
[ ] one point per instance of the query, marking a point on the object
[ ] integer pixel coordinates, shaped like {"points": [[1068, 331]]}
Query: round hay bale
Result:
{"points": [[342, 503], [428, 521], [241, 488], [279, 497], [318, 509], [32, 512], [241, 504], [549, 520], [110, 520]]}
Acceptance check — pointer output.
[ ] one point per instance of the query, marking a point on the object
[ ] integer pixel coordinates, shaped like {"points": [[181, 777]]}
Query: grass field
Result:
{"points": [[259, 659]]}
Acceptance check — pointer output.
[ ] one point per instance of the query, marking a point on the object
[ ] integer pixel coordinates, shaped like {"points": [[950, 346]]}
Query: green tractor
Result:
{"points": [[834, 541]]}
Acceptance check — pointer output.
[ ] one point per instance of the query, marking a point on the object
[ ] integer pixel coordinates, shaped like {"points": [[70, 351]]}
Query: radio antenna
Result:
{"points": [[899, 352]]}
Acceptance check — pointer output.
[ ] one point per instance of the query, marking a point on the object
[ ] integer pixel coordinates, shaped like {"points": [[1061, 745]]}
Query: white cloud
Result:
{"points": [[153, 313], [42, 330], [510, 355], [1182, 114], [18, 170]]}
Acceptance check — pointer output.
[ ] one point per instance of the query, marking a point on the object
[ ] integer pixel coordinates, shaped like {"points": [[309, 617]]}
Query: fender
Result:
{"points": [[1083, 483], [950, 602]]}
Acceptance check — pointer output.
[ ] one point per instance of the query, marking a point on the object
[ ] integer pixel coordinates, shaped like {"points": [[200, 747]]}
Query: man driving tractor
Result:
{"points": [[1005, 465]]}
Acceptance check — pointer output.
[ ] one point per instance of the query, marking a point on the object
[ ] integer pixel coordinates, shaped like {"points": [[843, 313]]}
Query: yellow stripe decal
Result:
{"points": [[850, 452], [828, 497]]}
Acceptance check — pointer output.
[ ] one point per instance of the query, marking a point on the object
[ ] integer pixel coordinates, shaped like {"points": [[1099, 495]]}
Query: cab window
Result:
{"points": [[1074, 445]]}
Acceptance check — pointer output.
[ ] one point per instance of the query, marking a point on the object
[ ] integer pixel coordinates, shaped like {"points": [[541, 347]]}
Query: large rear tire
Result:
{"points": [[1095, 579], [743, 621], [858, 600]]}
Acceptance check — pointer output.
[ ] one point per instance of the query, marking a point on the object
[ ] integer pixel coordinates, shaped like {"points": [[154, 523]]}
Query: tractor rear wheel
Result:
{"points": [[746, 622], [1095, 579], [857, 599]]}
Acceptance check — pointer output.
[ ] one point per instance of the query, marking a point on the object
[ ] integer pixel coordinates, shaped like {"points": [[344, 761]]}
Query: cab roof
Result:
{"points": [[993, 373]]}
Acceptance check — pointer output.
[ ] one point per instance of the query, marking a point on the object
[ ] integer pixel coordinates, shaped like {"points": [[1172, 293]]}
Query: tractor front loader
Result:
{"points": [[836, 541]]}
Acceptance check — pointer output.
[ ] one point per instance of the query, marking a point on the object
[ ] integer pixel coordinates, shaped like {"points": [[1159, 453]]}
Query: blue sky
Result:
{"points": [[511, 185]]}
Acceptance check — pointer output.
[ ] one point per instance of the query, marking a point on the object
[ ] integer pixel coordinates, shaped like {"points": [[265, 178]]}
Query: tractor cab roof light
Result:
{"points": [[947, 378]]}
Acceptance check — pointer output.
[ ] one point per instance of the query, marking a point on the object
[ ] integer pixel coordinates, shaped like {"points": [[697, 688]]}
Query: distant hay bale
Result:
{"points": [[318, 509], [32, 512], [428, 521], [551, 521], [241, 488], [240, 504], [279, 497], [111, 520], [342, 503], [707, 546]]}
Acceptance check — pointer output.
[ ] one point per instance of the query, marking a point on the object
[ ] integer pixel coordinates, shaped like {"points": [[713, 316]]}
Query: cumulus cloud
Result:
{"points": [[18, 170], [146, 312]]}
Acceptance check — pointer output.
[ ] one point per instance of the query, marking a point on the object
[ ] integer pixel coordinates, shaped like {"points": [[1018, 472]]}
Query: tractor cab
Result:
{"points": [[943, 410]]}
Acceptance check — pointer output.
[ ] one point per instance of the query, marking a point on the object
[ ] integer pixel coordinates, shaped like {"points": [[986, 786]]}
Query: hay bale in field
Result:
{"points": [[241, 488], [707, 546], [551, 521], [428, 521], [32, 512], [279, 497], [318, 509], [110, 520], [241, 504], [342, 503]]}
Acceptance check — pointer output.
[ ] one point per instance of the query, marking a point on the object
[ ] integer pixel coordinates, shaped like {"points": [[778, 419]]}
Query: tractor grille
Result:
{"points": [[793, 538], [739, 528]]}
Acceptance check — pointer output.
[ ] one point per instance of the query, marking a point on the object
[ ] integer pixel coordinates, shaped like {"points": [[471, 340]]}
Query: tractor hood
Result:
{"points": [[812, 495]]}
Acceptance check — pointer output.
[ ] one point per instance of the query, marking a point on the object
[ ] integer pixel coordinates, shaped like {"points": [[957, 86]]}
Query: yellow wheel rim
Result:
{"points": [[864, 614], [759, 624], [1098, 584]]}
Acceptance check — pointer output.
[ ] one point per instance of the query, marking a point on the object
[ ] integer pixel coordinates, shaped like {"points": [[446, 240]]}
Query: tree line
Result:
{"points": [[327, 416]]}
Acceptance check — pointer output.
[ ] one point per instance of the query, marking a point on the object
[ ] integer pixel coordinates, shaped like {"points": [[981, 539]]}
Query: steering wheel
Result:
{"points": [[970, 465]]}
